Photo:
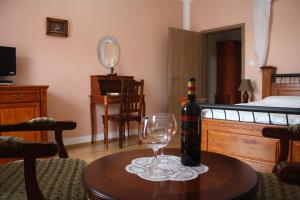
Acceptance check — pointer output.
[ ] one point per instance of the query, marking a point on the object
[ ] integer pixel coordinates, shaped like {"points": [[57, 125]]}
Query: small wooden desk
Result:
{"points": [[101, 85], [227, 178]]}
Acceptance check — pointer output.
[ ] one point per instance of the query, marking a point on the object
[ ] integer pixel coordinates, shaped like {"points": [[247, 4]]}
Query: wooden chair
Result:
{"points": [[131, 106], [38, 179], [284, 182]]}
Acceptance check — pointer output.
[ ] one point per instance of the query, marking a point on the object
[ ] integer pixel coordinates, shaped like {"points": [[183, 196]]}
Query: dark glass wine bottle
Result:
{"points": [[190, 135]]}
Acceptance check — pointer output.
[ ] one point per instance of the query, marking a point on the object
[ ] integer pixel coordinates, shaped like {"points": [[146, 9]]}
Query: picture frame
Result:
{"points": [[57, 27]]}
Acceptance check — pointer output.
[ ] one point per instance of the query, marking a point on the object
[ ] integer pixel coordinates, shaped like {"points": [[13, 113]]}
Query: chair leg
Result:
{"points": [[32, 187], [62, 152], [139, 140], [123, 131], [128, 129], [105, 134], [120, 135]]}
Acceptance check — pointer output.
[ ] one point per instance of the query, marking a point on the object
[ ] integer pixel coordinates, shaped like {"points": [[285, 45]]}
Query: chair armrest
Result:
{"points": [[16, 147], [44, 124], [39, 124], [288, 172], [292, 132]]}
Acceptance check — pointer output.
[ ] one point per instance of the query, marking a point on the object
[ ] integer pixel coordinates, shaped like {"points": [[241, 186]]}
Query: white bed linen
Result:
{"points": [[259, 117]]}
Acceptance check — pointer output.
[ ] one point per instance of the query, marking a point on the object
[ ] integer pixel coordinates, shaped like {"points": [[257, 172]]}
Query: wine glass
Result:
{"points": [[172, 128], [155, 132]]}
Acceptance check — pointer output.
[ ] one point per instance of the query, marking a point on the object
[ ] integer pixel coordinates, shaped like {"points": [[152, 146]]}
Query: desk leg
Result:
{"points": [[93, 121], [105, 122]]}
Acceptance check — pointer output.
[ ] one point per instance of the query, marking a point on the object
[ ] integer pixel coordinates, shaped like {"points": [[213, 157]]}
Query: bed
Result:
{"points": [[233, 134]]}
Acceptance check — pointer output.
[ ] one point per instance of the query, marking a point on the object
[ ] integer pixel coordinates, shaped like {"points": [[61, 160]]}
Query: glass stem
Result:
{"points": [[162, 152], [155, 160], [154, 171], [155, 154]]}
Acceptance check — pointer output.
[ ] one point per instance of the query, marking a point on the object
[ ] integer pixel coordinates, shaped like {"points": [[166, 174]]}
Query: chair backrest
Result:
{"points": [[44, 124], [287, 171], [132, 94]]}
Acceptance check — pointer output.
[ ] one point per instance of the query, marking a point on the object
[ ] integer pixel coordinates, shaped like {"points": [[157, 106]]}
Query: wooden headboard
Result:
{"points": [[270, 87]]}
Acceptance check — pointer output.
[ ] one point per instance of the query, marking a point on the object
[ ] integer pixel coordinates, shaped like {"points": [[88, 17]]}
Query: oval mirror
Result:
{"points": [[109, 52]]}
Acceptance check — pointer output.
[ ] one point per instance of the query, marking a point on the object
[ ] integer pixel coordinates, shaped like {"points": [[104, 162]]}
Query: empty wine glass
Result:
{"points": [[155, 132], [172, 128]]}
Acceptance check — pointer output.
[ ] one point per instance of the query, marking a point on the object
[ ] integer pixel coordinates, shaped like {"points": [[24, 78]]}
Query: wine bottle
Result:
{"points": [[190, 135]]}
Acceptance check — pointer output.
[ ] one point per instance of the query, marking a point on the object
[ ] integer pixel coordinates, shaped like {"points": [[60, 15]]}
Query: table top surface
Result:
{"points": [[227, 178]]}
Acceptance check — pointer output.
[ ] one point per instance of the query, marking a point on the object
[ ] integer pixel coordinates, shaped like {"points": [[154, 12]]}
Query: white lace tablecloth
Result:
{"points": [[168, 168]]}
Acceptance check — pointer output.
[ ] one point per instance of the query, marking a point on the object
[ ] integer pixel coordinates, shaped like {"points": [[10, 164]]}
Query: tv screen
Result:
{"points": [[7, 61]]}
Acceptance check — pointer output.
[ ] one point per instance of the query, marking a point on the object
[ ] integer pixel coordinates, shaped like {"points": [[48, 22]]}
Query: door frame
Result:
{"points": [[205, 34]]}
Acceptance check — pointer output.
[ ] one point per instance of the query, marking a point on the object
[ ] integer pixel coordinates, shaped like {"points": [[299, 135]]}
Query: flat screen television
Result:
{"points": [[7, 61]]}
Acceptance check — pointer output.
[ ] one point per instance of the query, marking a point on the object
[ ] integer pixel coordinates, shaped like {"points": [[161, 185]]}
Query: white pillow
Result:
{"points": [[283, 101]]}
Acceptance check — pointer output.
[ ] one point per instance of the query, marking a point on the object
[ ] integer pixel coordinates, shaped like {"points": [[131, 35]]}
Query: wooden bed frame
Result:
{"points": [[244, 140]]}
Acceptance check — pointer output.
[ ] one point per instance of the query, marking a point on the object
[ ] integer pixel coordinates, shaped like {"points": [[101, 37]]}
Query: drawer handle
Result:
{"points": [[18, 97]]}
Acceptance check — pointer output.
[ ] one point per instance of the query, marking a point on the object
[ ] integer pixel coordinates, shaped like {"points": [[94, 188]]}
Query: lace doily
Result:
{"points": [[169, 168]]}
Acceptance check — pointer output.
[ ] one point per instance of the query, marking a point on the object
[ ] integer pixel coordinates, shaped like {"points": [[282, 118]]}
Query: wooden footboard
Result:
{"points": [[245, 142]]}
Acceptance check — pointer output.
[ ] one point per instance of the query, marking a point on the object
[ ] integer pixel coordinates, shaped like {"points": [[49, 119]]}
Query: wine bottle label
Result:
{"points": [[185, 133], [191, 88], [188, 118], [189, 124]]}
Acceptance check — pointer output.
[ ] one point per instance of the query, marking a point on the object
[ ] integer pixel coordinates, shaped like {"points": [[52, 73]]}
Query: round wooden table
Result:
{"points": [[227, 178]]}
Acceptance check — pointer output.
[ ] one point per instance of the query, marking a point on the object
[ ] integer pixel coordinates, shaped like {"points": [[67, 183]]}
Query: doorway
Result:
{"points": [[194, 54], [222, 85]]}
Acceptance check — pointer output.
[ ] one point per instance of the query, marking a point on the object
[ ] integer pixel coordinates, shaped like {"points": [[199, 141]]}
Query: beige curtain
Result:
{"points": [[262, 13]]}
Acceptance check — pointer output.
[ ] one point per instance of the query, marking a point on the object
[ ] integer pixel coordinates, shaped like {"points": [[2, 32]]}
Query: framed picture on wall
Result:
{"points": [[57, 27]]}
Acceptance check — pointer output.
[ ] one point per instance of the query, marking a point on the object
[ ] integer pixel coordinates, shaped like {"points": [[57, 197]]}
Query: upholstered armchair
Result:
{"points": [[284, 181], [38, 179]]}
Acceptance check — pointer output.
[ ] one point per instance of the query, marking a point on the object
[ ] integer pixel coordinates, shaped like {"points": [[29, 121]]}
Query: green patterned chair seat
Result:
{"points": [[57, 178], [271, 188], [284, 181], [39, 179]]}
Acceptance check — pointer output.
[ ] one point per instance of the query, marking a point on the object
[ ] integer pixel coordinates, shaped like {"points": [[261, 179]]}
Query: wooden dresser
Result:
{"points": [[228, 72], [22, 103]]}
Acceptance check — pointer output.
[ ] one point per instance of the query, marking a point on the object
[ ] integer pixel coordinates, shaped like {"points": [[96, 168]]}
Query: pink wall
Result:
{"points": [[141, 27], [284, 38], [65, 64]]}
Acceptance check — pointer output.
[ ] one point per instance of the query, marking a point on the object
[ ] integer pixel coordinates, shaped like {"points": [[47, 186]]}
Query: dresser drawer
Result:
{"points": [[19, 96]]}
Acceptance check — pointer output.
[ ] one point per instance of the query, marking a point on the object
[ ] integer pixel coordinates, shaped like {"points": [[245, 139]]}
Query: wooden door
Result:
{"points": [[17, 113], [184, 60], [228, 72]]}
